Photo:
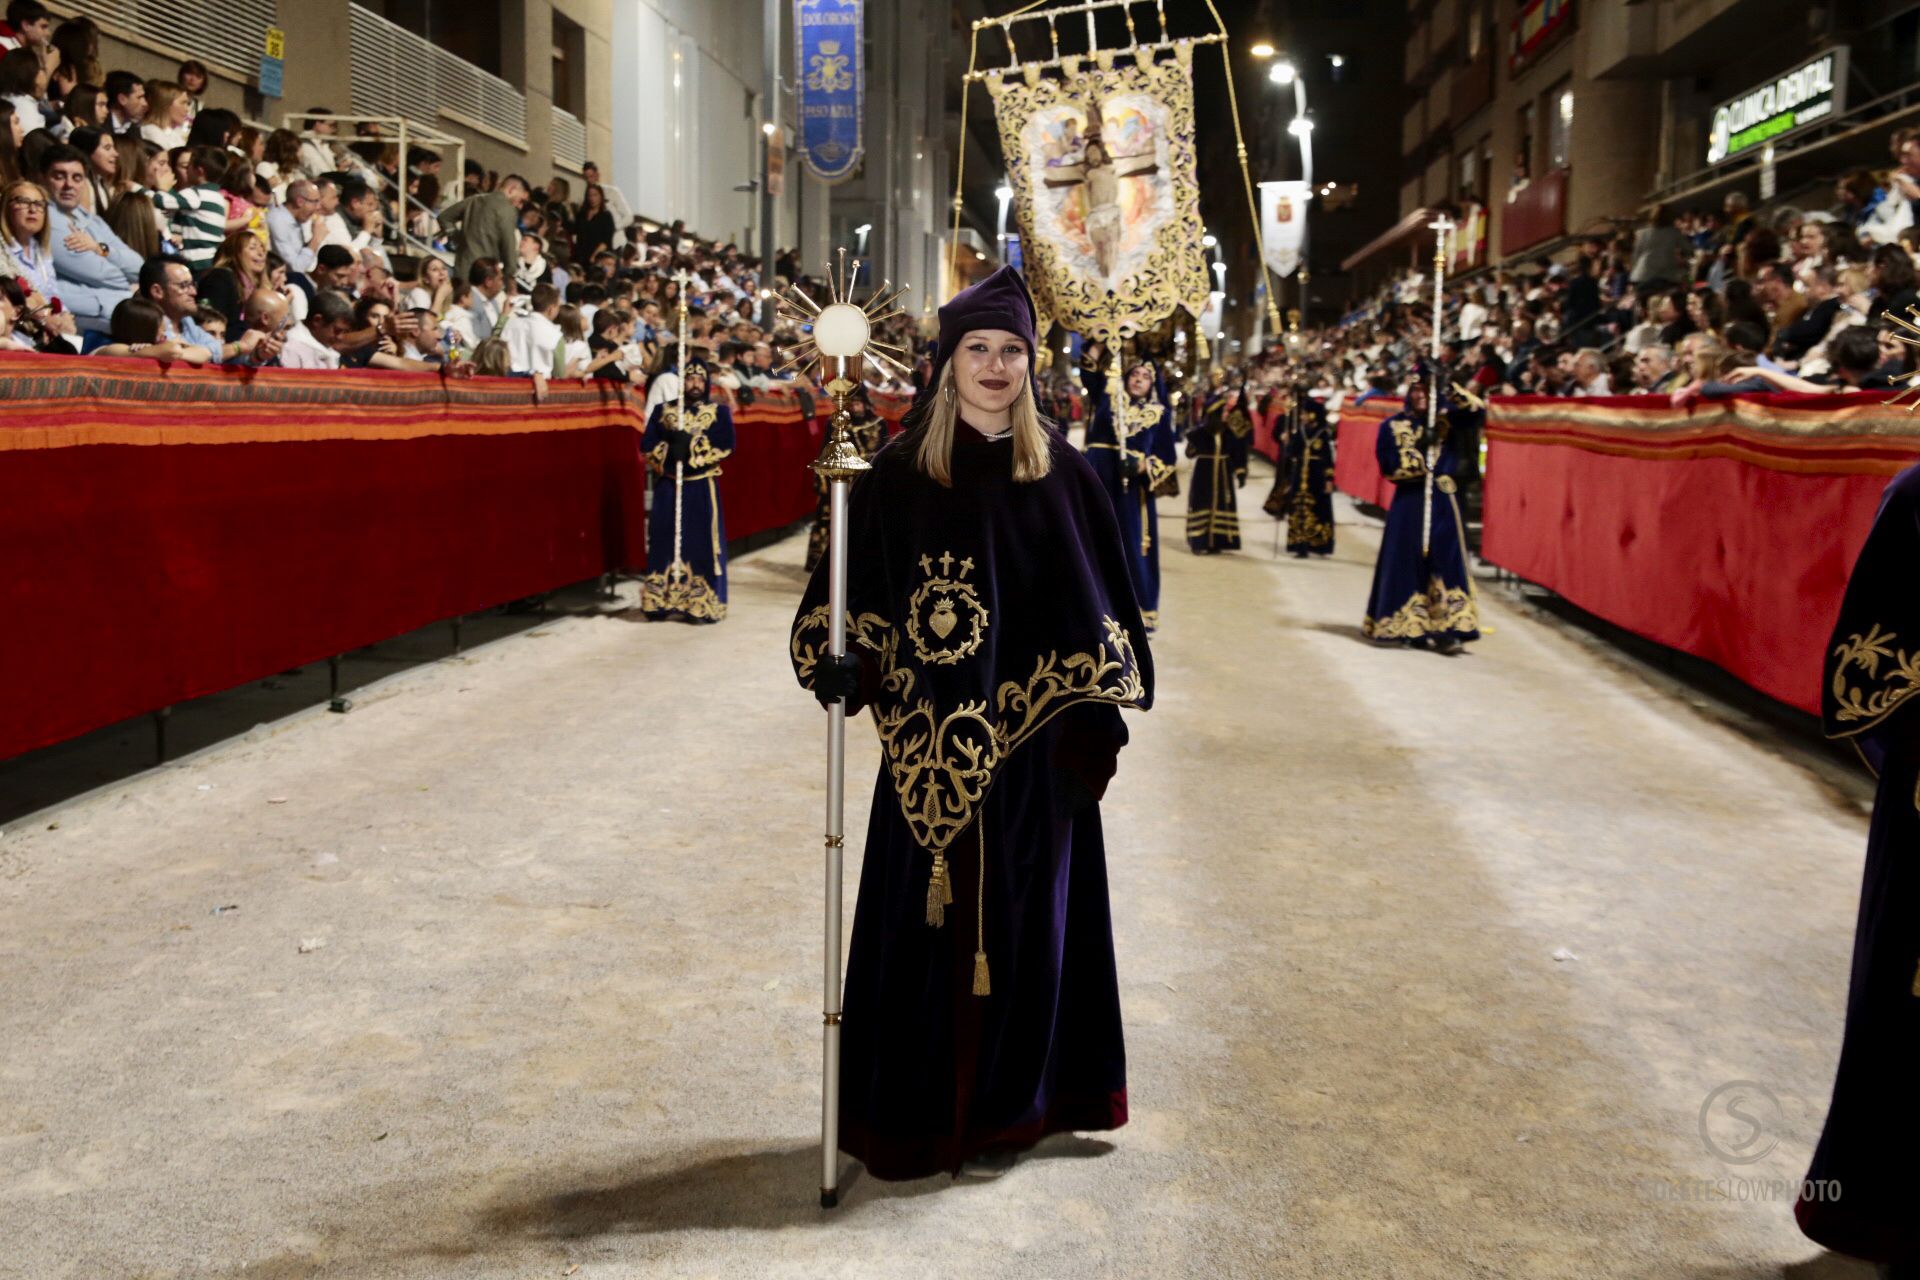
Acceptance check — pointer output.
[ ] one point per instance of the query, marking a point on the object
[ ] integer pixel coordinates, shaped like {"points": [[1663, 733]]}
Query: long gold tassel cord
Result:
{"points": [[982, 980]]}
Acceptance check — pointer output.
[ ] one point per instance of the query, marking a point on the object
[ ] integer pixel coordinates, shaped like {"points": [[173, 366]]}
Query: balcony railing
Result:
{"points": [[227, 33], [569, 139], [395, 72]]}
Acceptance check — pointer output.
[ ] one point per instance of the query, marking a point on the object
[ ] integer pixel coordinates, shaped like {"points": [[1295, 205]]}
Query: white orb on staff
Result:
{"points": [[840, 331]]}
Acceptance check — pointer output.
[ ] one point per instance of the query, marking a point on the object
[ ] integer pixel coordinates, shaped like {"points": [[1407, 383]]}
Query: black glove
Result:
{"points": [[679, 447], [836, 679]]}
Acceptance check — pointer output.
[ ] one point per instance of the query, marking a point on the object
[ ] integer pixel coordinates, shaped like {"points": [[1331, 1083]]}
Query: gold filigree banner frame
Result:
{"points": [[1130, 298], [1100, 156]]}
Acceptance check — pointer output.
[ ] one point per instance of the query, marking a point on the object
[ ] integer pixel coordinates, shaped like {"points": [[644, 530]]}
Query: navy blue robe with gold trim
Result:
{"points": [[1303, 482], [996, 626], [1129, 470], [700, 593], [1872, 696], [1218, 447], [1419, 597]]}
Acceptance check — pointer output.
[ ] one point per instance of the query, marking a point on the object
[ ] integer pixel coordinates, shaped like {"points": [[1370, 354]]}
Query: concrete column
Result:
{"points": [[316, 71]]}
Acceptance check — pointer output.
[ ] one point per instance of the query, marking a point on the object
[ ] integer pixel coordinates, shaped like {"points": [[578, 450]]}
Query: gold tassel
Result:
{"points": [[982, 983], [939, 892]]}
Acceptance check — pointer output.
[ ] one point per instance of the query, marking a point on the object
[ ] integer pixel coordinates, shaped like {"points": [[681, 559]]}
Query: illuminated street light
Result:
{"points": [[1208, 240], [1300, 126], [1337, 60], [1261, 49], [1282, 73]]}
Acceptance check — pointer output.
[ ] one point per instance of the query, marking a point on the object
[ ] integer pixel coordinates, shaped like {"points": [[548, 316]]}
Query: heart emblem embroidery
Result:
{"points": [[943, 619]]}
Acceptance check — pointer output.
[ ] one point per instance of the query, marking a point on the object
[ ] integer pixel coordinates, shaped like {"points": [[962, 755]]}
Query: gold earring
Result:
{"points": [[948, 390]]}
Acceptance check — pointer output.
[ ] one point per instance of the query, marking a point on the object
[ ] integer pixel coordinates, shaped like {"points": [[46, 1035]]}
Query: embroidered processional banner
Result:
{"points": [[1283, 224], [829, 83], [1100, 156]]}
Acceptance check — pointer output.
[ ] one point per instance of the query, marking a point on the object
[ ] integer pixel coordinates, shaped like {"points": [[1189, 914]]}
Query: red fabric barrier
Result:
{"points": [[1356, 467], [1727, 532], [169, 532]]}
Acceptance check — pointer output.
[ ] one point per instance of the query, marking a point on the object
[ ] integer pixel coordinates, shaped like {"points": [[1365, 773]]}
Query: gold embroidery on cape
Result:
{"points": [[1413, 463], [941, 765], [1141, 418], [955, 606], [1876, 698]]}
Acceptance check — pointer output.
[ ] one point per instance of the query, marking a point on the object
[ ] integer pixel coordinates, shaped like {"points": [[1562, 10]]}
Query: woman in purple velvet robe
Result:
{"points": [[993, 638], [1872, 696]]}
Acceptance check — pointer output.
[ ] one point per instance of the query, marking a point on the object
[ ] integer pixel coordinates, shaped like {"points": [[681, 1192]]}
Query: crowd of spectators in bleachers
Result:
{"points": [[1804, 295], [137, 220]]}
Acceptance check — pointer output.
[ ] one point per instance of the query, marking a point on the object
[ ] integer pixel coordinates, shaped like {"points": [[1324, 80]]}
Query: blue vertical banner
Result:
{"points": [[831, 81]]}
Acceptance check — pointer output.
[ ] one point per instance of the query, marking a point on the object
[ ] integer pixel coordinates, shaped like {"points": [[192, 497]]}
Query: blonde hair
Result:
{"points": [[1032, 450], [23, 187]]}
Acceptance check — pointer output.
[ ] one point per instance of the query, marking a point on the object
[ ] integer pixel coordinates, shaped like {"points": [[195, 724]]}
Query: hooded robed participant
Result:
{"points": [[1303, 482], [1425, 600], [699, 446], [1218, 447], [1132, 457], [993, 637], [1872, 696]]}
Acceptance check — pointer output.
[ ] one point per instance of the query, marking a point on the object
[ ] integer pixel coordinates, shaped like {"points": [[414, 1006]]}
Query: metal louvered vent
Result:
{"points": [[395, 72], [231, 34], [569, 138]]}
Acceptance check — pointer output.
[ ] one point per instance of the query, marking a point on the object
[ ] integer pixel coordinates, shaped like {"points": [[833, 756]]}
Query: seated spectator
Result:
{"points": [[433, 289], [126, 102], [192, 78], [312, 345], [1894, 214], [1653, 372], [492, 359], [168, 284], [1893, 282], [1822, 285], [26, 237], [77, 41], [1590, 373], [85, 107], [1854, 355], [316, 151], [457, 320], [94, 269], [489, 282], [214, 127], [295, 228], [102, 153], [28, 26], [23, 82], [280, 161], [338, 269], [238, 271], [530, 268], [169, 115], [133, 218]]}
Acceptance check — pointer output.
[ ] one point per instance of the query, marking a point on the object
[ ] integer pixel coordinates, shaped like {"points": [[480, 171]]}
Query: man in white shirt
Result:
{"points": [[310, 345], [1590, 374], [1473, 319]]}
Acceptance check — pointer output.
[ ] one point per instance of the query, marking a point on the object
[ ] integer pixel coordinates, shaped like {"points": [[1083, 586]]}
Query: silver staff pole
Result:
{"points": [[841, 331], [1440, 227], [677, 569]]}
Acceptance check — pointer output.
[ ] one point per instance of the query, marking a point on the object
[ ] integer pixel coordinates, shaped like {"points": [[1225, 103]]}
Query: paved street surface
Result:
{"points": [[1428, 967]]}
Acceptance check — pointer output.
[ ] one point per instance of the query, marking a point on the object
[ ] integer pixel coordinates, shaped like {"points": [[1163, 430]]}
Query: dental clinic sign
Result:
{"points": [[1812, 91]]}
